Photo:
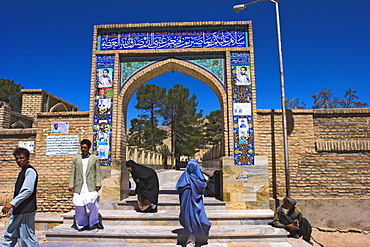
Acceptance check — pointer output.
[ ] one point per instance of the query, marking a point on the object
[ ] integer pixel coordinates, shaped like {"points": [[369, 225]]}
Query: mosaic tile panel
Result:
{"points": [[212, 64], [243, 130], [103, 104]]}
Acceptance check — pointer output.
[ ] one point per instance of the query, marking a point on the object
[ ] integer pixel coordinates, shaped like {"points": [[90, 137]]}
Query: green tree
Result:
{"points": [[136, 132], [189, 139], [150, 100], [213, 128], [351, 100], [10, 93], [180, 114], [165, 151], [141, 135]]}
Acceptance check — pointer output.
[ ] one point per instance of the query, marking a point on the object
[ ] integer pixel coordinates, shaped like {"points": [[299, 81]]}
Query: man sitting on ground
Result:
{"points": [[290, 217]]}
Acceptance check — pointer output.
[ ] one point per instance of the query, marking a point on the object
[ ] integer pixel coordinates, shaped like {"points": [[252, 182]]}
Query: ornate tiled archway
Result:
{"points": [[218, 54], [159, 68]]}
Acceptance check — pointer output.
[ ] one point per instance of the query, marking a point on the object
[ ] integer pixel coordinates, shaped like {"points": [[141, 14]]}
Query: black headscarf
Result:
{"points": [[291, 201], [148, 185]]}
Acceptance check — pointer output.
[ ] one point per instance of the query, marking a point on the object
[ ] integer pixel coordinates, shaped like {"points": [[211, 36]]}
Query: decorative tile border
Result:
{"points": [[242, 109], [212, 64], [103, 106], [173, 39]]}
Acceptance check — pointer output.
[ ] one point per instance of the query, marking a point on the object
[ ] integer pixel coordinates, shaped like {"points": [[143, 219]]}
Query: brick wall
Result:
{"points": [[329, 151], [8, 168], [328, 154], [53, 194], [35, 101], [32, 102]]}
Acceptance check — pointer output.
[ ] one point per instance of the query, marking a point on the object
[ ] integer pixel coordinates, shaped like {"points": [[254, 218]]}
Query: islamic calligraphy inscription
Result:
{"points": [[179, 39]]}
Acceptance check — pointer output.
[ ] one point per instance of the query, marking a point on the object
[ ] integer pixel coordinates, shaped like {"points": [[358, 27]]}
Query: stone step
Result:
{"points": [[166, 234], [171, 202], [45, 221], [100, 244], [171, 217]]}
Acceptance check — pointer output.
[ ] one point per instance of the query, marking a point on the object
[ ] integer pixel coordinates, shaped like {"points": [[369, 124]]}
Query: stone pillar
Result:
{"points": [[32, 101], [246, 186], [5, 116]]}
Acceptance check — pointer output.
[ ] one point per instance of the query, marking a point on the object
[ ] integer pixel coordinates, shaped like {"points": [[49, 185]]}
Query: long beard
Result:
{"points": [[285, 210]]}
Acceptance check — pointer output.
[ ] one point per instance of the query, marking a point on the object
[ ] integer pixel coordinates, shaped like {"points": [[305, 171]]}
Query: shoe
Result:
{"points": [[310, 242], [97, 226], [132, 193], [150, 210], [87, 227], [191, 244]]}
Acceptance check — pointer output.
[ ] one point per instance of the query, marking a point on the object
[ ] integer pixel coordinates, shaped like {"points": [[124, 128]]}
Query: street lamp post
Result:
{"points": [[238, 8]]}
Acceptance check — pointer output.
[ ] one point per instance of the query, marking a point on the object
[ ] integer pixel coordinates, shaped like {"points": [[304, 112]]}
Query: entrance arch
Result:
{"points": [[157, 69], [218, 54]]}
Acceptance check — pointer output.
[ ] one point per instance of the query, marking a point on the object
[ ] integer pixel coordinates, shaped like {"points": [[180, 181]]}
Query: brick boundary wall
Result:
{"points": [[328, 151], [9, 170], [53, 194]]}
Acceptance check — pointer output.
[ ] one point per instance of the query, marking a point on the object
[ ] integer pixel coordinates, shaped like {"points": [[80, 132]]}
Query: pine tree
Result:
{"points": [[150, 100], [10, 93], [181, 115], [213, 128]]}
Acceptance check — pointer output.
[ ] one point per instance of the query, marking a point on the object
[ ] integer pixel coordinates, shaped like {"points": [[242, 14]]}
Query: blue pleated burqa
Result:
{"points": [[190, 186]]}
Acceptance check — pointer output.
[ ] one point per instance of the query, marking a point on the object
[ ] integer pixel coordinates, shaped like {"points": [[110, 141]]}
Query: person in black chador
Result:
{"points": [[147, 186], [213, 185], [290, 217]]}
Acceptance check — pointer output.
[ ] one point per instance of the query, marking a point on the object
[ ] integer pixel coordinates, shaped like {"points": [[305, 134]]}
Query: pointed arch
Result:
{"points": [[157, 69], [58, 107]]}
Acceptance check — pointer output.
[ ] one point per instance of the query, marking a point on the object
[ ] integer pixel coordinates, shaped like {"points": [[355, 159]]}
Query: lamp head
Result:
{"points": [[239, 7]]}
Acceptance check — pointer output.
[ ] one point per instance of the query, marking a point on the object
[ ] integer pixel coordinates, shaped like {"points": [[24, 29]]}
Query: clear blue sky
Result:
{"points": [[48, 44]]}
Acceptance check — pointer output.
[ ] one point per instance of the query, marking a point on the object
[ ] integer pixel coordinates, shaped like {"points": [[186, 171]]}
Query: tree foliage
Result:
{"points": [[141, 135], [178, 110], [136, 134], [10, 93], [295, 103], [325, 99], [213, 128], [150, 100], [180, 114], [351, 100]]}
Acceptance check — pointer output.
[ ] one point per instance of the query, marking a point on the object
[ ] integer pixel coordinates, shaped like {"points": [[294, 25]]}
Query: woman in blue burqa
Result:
{"points": [[147, 186], [193, 218]]}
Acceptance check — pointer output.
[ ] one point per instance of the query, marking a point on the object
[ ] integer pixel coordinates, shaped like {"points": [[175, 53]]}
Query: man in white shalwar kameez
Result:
{"points": [[85, 182]]}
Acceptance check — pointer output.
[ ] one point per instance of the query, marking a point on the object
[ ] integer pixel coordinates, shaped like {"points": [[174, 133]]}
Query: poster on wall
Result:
{"points": [[105, 76], [103, 104], [29, 145], [59, 127], [62, 145], [104, 93], [242, 108], [242, 76]]}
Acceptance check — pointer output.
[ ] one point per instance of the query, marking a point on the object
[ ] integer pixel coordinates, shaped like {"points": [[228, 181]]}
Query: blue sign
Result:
{"points": [[179, 39]]}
